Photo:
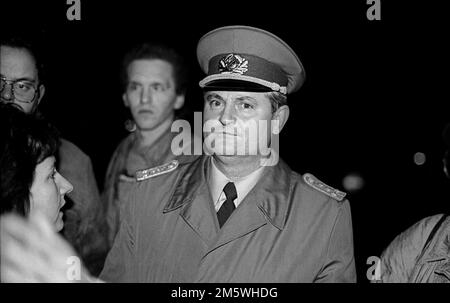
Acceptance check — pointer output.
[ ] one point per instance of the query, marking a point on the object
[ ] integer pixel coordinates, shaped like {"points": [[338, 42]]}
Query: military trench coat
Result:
{"points": [[285, 230]]}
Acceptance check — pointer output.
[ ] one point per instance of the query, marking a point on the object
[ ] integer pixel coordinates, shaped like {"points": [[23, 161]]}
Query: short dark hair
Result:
{"points": [[151, 51], [30, 45], [25, 141]]}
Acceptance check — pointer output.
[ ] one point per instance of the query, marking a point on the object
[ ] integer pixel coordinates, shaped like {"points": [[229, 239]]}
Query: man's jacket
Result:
{"points": [[285, 230], [421, 254]]}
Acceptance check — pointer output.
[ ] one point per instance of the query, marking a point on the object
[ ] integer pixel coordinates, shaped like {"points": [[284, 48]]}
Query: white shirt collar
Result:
{"points": [[218, 181]]}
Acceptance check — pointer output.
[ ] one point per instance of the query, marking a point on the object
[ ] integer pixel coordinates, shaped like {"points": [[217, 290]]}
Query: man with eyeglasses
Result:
{"points": [[24, 89], [22, 83]]}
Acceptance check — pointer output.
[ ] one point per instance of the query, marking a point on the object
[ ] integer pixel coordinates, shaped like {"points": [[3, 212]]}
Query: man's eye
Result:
{"points": [[215, 103], [246, 106], [53, 174], [157, 87], [23, 86], [132, 86]]}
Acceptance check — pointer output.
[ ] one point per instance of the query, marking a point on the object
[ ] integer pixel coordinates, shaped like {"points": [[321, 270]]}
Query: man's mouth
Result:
{"points": [[145, 111]]}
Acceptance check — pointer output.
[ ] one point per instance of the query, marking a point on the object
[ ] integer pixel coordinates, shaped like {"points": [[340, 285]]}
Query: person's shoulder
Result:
{"points": [[401, 255], [156, 183], [419, 231], [70, 146], [317, 189], [124, 142], [430, 221], [166, 170], [412, 240], [314, 203], [70, 151], [162, 178]]}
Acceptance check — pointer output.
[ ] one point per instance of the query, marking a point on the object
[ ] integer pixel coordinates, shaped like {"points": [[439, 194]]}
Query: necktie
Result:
{"points": [[228, 206]]}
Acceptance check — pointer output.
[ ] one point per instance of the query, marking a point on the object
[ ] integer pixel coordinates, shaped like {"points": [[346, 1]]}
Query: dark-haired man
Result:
{"points": [[236, 213], [154, 81]]}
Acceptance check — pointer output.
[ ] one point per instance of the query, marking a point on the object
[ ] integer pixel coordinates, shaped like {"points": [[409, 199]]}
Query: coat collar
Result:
{"points": [[270, 195]]}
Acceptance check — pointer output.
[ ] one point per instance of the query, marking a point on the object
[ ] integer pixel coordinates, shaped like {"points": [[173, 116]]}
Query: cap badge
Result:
{"points": [[232, 63]]}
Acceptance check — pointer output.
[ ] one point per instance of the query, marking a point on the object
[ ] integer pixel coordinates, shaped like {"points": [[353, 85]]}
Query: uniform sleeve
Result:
{"points": [[93, 226], [109, 202], [84, 220], [110, 189], [92, 192], [120, 264], [339, 265]]}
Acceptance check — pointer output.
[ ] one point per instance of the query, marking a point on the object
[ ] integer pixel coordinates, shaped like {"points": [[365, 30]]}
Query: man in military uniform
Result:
{"points": [[230, 217], [154, 80]]}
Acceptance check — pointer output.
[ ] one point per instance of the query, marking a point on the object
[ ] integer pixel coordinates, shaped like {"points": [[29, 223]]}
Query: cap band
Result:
{"points": [[246, 67]]}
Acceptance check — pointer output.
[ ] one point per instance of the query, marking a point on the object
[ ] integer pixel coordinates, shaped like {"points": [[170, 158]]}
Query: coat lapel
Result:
{"points": [[200, 216], [193, 195], [265, 203], [246, 218]]}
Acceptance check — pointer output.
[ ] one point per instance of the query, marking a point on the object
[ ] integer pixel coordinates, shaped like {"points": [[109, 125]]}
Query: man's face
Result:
{"points": [[150, 93], [16, 64], [236, 123]]}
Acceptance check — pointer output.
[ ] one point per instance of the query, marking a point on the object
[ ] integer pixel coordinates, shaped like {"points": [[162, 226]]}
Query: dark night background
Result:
{"points": [[374, 93]]}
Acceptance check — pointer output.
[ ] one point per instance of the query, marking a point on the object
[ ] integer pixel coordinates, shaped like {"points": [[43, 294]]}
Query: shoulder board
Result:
{"points": [[145, 174], [322, 187]]}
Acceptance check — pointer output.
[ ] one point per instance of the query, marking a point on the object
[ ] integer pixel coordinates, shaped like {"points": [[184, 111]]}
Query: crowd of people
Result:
{"points": [[222, 216]]}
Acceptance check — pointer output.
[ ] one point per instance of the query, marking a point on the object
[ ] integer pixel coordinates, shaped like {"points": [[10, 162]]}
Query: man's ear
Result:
{"points": [[179, 102], [41, 94], [31, 200], [281, 115], [125, 100]]}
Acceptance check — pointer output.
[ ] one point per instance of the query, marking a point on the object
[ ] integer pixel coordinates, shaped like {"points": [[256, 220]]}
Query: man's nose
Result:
{"points": [[146, 96], [227, 115], [7, 93]]}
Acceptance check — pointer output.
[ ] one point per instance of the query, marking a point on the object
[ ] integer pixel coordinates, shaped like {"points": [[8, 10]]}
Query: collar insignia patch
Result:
{"points": [[145, 174]]}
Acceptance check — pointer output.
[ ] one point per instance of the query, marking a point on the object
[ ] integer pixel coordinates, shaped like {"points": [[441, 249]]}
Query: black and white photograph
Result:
{"points": [[224, 149]]}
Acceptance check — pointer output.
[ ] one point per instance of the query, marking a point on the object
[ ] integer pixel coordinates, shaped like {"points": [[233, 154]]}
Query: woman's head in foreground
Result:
{"points": [[29, 181]]}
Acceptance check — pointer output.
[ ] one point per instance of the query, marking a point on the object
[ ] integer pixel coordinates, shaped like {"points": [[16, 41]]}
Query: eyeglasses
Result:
{"points": [[21, 90]]}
